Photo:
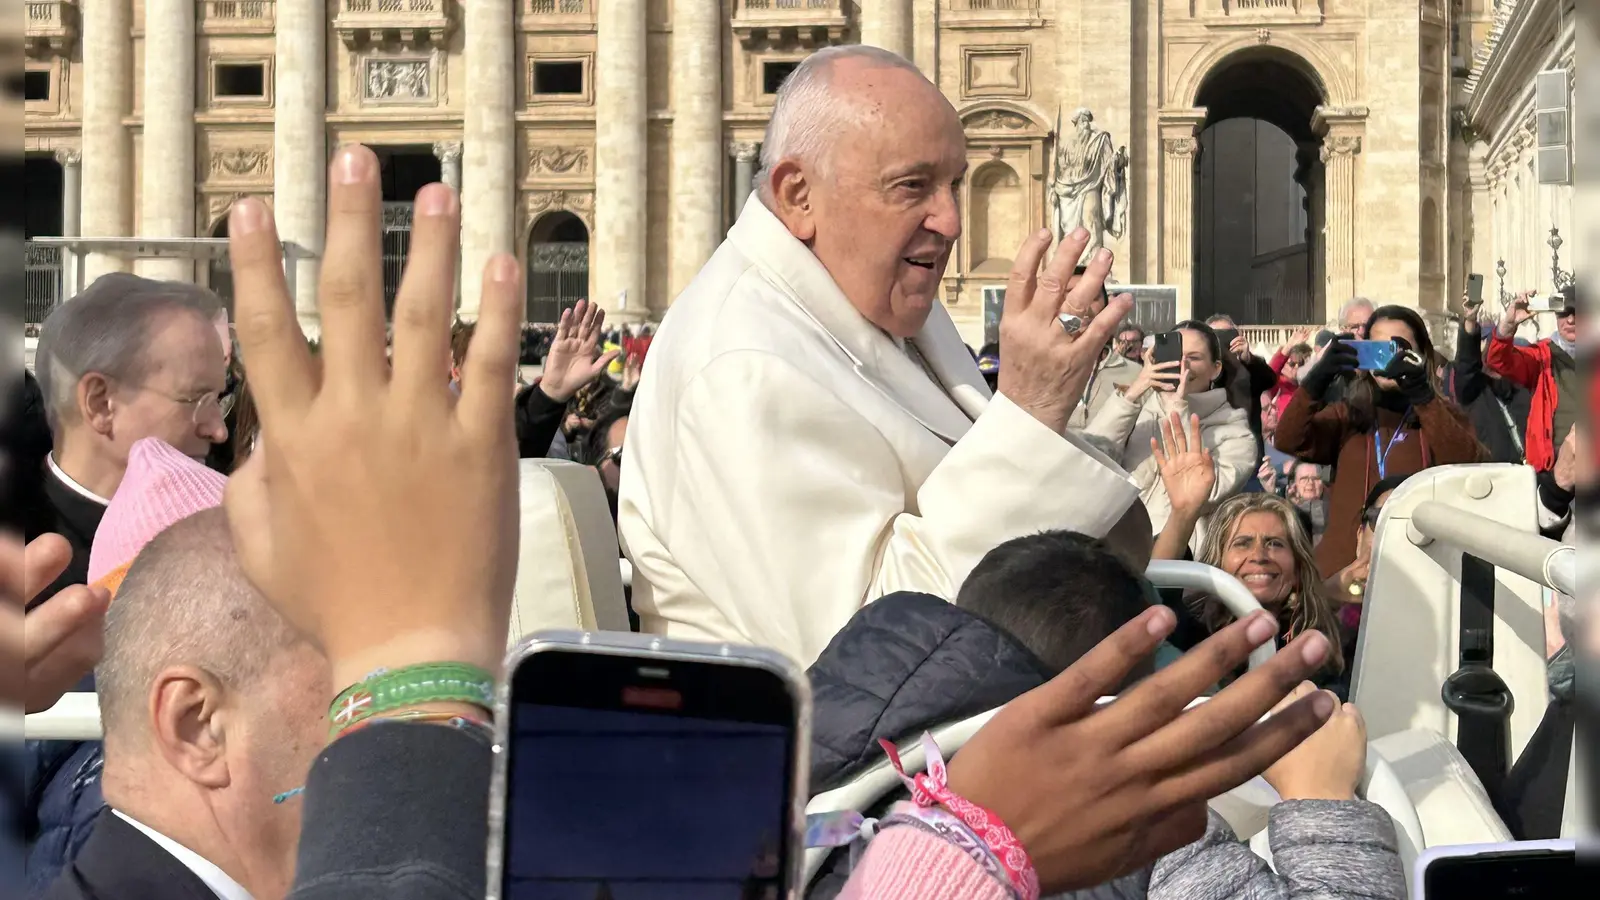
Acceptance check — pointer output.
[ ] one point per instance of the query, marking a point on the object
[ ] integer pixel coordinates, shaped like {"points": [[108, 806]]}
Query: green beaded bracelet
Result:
{"points": [[384, 691]]}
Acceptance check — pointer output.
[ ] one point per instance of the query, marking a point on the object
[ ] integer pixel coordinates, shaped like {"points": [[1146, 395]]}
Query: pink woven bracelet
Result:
{"points": [[931, 788]]}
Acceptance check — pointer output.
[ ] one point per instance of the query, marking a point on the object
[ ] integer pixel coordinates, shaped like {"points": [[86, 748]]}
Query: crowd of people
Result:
{"points": [[806, 457]]}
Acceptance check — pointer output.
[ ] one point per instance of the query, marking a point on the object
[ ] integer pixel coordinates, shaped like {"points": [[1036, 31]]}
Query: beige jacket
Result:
{"points": [[1114, 373], [1123, 431], [787, 462]]}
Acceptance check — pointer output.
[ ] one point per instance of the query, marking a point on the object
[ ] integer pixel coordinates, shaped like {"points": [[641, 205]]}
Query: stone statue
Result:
{"points": [[1089, 183]]}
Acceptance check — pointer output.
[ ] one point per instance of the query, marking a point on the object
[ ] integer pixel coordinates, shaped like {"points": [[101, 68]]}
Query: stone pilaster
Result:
{"points": [[696, 141], [745, 155], [1180, 148], [449, 156], [887, 24], [300, 145], [489, 141], [1339, 165], [617, 257], [167, 176], [107, 208]]}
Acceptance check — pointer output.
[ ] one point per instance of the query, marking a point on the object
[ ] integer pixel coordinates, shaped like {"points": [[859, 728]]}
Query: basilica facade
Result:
{"points": [[1264, 158]]}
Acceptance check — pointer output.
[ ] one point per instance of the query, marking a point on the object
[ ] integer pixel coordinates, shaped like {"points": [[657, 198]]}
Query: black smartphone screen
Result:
{"points": [[1169, 347], [1510, 875], [648, 779], [1225, 338]]}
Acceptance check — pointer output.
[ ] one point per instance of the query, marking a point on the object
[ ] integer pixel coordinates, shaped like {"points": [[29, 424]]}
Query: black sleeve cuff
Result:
{"points": [[1554, 497], [398, 798]]}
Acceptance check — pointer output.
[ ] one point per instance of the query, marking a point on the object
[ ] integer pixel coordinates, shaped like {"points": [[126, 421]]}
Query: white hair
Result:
{"points": [[807, 115], [1352, 303]]}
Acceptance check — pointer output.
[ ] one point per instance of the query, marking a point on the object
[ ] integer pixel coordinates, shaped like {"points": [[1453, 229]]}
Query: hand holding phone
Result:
{"points": [[1474, 297], [1373, 356]]}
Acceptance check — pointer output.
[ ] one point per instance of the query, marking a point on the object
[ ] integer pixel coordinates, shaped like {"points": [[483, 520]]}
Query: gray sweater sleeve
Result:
{"points": [[1323, 850]]}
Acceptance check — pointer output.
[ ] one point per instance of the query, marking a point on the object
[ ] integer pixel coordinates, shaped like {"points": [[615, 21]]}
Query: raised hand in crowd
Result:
{"points": [[1155, 376], [1043, 368], [380, 514], [47, 650], [1189, 473], [1095, 794], [575, 358], [1268, 476], [1516, 314], [1240, 347], [631, 370], [1471, 316], [1328, 765], [1338, 359], [1298, 337]]}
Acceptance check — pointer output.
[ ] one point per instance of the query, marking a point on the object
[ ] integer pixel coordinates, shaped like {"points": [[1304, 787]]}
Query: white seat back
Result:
{"points": [[1410, 627], [567, 573]]}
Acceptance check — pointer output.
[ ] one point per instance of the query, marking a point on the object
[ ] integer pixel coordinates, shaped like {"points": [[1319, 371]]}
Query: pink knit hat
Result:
{"points": [[160, 487]]}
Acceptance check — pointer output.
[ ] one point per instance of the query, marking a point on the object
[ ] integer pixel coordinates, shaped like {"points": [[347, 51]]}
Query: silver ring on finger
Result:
{"points": [[1071, 324]]}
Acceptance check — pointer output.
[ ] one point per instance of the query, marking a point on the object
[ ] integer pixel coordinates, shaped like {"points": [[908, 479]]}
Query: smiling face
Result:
{"points": [[1201, 364], [1259, 554], [881, 214]]}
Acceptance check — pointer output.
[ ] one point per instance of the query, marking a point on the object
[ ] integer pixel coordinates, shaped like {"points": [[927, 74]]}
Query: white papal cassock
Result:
{"points": [[788, 462]]}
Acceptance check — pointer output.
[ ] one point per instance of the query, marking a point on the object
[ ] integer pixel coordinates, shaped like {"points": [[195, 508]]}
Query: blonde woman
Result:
{"points": [[1259, 539]]}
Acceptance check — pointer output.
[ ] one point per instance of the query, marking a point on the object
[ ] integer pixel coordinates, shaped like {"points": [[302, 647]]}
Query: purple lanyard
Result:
{"points": [[1383, 450]]}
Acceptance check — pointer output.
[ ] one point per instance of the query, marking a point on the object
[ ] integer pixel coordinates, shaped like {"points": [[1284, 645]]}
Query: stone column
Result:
{"points": [[887, 24], [489, 142], [617, 247], [300, 146], [696, 137], [1339, 165], [1309, 156], [449, 155], [1180, 146], [745, 156], [71, 214], [107, 180], [167, 176]]}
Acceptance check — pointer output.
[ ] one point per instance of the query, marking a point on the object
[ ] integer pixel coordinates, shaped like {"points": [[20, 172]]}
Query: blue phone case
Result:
{"points": [[1373, 356]]}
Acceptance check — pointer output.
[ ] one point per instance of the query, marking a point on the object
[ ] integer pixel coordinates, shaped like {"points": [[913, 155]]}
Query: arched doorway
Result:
{"points": [[42, 185], [999, 212], [219, 271], [558, 265], [1258, 247], [402, 172]]}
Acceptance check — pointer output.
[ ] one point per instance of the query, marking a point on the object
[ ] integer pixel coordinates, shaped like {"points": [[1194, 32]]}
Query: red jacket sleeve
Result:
{"points": [[1522, 365]]}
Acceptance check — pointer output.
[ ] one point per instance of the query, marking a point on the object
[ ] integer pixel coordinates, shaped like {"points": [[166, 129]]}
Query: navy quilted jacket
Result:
{"points": [[63, 799]]}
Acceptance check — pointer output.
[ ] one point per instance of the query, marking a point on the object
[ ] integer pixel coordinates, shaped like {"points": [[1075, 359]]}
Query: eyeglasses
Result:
{"points": [[613, 456], [201, 407]]}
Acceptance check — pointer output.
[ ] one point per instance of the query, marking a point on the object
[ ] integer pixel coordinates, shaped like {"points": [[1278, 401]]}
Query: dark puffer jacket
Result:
{"points": [[63, 784]]}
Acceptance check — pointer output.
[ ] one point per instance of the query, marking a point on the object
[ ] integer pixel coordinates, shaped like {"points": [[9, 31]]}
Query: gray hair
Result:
{"points": [[1222, 317], [106, 329], [1352, 303], [184, 601], [806, 117]]}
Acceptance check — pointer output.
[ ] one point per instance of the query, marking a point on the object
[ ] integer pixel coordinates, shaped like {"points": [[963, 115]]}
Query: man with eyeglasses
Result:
{"points": [[126, 359], [1549, 368]]}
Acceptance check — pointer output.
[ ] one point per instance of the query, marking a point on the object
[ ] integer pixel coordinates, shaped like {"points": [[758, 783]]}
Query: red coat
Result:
{"points": [[1530, 367]]}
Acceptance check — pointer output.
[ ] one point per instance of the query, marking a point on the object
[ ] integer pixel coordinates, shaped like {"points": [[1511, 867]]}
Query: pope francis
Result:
{"points": [[810, 432]]}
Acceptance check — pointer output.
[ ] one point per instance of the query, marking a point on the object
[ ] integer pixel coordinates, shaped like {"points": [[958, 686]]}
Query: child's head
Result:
{"points": [[1058, 593]]}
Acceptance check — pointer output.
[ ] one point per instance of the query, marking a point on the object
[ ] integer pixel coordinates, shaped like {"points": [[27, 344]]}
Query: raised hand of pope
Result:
{"points": [[1043, 369], [380, 515]]}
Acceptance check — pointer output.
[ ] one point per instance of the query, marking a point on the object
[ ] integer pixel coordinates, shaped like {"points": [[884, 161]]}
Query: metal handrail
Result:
{"points": [[1538, 559], [1229, 591]]}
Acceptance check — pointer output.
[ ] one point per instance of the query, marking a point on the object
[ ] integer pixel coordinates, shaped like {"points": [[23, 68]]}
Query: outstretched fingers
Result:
{"points": [[426, 300], [1025, 273], [270, 339], [350, 293], [490, 370], [1072, 694], [1221, 769]]}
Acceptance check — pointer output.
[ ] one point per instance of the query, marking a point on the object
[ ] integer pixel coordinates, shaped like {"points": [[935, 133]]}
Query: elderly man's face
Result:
{"points": [[883, 216], [177, 401], [1355, 321]]}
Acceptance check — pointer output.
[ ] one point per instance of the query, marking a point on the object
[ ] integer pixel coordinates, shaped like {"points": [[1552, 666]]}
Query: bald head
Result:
{"points": [[185, 602]]}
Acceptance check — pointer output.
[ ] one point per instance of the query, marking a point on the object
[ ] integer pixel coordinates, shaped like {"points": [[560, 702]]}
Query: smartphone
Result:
{"points": [[648, 767], [1225, 338], [1474, 290], [1169, 347], [1526, 869], [1373, 356], [1545, 304]]}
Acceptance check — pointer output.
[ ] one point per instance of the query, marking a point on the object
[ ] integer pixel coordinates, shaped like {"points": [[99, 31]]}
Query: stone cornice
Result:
{"points": [[1517, 46]]}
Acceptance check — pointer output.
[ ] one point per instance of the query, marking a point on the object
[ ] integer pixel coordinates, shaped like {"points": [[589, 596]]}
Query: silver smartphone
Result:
{"points": [[634, 766]]}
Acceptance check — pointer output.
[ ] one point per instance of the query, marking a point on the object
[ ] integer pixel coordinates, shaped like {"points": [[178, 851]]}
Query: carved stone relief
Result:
{"points": [[217, 205], [241, 162], [558, 160], [579, 203], [1181, 146], [744, 151], [998, 120], [69, 156], [1340, 145], [397, 80]]}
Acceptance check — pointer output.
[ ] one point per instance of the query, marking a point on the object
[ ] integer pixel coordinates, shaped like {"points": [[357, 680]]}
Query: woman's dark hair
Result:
{"points": [[594, 443], [1362, 396], [1238, 394], [1392, 483]]}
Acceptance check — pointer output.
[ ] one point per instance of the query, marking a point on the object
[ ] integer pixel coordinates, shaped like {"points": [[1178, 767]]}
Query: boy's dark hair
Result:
{"points": [[1057, 592]]}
